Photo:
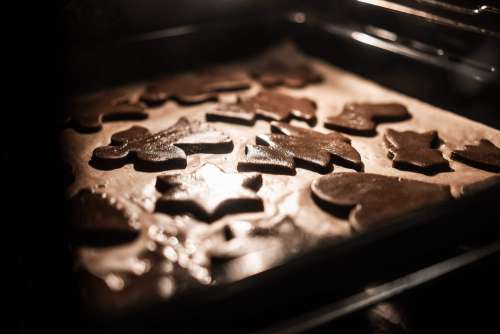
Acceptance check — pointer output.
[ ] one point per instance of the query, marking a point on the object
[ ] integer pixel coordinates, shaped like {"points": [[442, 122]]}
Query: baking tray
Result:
{"points": [[333, 270]]}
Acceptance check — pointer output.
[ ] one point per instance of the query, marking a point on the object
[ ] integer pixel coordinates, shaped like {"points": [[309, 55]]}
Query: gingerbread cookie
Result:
{"points": [[195, 88], [301, 147], [99, 223], [372, 199], [86, 114], [209, 193], [362, 118], [484, 155], [267, 105], [277, 73], [414, 151], [163, 150]]}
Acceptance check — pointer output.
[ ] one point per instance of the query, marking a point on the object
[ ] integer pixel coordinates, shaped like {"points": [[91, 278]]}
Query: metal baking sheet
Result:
{"points": [[125, 276]]}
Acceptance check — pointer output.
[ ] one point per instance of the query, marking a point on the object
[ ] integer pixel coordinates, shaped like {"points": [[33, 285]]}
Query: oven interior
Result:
{"points": [[445, 54]]}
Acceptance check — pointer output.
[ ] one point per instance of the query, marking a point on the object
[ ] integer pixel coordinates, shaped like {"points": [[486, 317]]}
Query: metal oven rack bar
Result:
{"points": [[447, 18]]}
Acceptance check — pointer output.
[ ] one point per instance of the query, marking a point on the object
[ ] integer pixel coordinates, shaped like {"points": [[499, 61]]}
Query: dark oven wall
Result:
{"points": [[114, 42], [93, 20]]}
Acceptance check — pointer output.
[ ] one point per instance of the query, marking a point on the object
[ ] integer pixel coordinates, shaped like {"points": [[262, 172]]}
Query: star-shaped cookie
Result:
{"points": [[410, 150], [209, 193]]}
